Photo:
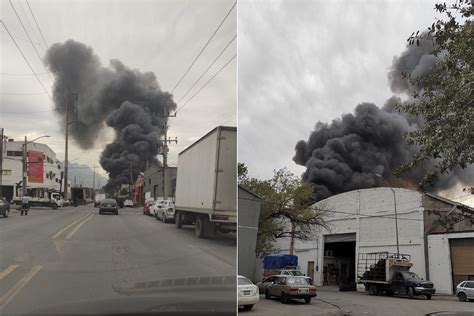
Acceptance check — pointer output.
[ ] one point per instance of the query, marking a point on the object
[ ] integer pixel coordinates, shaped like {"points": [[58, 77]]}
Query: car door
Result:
{"points": [[469, 289], [266, 283], [398, 283], [272, 287]]}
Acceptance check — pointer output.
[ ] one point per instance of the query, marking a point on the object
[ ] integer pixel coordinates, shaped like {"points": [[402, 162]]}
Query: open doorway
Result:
{"points": [[339, 261]]}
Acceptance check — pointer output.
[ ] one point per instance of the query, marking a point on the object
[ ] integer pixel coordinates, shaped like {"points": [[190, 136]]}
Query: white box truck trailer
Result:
{"points": [[206, 183]]}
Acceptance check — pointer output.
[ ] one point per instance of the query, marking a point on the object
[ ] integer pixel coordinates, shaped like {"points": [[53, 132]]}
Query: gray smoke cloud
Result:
{"points": [[346, 154], [127, 100]]}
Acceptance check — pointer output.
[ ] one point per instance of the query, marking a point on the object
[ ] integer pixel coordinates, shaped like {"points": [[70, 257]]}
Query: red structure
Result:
{"points": [[138, 191]]}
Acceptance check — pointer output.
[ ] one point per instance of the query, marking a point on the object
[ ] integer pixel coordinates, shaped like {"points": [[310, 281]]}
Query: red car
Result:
{"points": [[146, 207]]}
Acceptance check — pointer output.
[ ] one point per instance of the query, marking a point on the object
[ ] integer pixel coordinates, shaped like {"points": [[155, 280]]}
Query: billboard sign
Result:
{"points": [[35, 167]]}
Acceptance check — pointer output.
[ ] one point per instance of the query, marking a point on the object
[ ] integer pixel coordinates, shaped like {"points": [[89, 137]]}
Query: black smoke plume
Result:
{"points": [[346, 154], [127, 100]]}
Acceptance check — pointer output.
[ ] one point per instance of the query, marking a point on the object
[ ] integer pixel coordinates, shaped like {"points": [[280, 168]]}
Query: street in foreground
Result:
{"points": [[73, 260], [331, 302]]}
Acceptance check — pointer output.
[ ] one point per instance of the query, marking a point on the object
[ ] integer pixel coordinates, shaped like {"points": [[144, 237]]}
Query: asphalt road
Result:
{"points": [[73, 260], [331, 302]]}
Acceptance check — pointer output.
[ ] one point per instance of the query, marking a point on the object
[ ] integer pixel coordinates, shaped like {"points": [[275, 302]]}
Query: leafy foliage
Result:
{"points": [[286, 200], [445, 98]]}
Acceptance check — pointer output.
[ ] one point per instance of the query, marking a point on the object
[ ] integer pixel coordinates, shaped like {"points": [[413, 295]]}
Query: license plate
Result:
{"points": [[247, 292], [303, 290]]}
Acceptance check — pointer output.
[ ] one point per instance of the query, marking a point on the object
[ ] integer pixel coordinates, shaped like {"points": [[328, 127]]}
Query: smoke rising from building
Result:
{"points": [[127, 100], [346, 154]]}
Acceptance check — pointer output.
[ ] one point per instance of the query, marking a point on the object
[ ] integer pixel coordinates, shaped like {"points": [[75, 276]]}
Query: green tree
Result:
{"points": [[446, 99], [286, 200]]}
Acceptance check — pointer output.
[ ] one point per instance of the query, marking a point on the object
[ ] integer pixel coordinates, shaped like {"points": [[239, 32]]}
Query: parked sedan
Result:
{"points": [[164, 211], [4, 207], [148, 208], [108, 206], [465, 291], [248, 293], [290, 287]]}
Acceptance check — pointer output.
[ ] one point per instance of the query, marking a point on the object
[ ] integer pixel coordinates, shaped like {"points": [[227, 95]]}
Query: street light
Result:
{"points": [[395, 207], [24, 159]]}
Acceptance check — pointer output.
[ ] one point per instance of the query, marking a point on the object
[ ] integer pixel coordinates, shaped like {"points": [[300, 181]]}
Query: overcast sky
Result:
{"points": [[306, 61], [158, 36]]}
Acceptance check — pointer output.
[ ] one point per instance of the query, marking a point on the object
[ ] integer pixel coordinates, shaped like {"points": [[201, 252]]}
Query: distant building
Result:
{"points": [[153, 182], [44, 171]]}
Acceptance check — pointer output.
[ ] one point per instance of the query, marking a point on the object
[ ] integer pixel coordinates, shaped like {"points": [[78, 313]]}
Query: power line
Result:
{"points": [[47, 46], [38, 73], [13, 93], [204, 47], [26, 112], [215, 75], [28, 35], [339, 212], [26, 60], [209, 67]]}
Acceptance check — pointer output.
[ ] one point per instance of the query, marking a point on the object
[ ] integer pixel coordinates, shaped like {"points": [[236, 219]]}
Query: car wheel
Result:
{"points": [[116, 212], [462, 297], [428, 296], [163, 218], [6, 213], [373, 290], [267, 295], [179, 220], [54, 206], [248, 307], [307, 300], [284, 298], [199, 227], [389, 293], [410, 292], [100, 212]]}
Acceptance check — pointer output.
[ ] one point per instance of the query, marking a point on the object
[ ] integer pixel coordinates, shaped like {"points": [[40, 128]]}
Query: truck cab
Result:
{"points": [[409, 283]]}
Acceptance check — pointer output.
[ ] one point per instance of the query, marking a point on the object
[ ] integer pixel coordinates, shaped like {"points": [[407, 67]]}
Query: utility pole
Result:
{"points": [[1, 163], [165, 149], [131, 180], [292, 240], [24, 168], [66, 145], [93, 181]]}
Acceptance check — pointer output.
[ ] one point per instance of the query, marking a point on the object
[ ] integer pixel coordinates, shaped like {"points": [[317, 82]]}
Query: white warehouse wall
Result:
{"points": [[369, 213], [439, 255]]}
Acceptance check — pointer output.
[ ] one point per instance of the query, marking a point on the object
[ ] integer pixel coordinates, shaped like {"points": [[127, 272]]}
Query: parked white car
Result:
{"points": [[128, 203], [465, 291], [165, 210], [248, 293]]}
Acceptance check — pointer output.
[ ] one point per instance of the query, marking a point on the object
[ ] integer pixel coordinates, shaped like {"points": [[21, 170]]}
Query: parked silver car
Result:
{"points": [[4, 207], [465, 291]]}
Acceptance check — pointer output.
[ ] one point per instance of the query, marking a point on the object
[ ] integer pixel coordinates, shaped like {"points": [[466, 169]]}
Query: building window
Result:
{"points": [[6, 172], [14, 153]]}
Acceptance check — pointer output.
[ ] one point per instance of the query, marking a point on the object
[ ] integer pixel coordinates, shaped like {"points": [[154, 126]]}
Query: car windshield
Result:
{"points": [[295, 273], [299, 281], [244, 281], [410, 275], [109, 202]]}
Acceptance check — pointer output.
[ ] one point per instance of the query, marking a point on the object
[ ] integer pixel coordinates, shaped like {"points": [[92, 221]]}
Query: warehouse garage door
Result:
{"points": [[462, 259], [339, 260]]}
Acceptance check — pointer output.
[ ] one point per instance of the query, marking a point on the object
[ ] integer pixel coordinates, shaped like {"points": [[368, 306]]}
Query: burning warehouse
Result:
{"points": [[347, 162]]}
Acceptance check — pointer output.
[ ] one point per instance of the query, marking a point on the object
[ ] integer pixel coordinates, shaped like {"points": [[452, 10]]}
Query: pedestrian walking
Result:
{"points": [[25, 204]]}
